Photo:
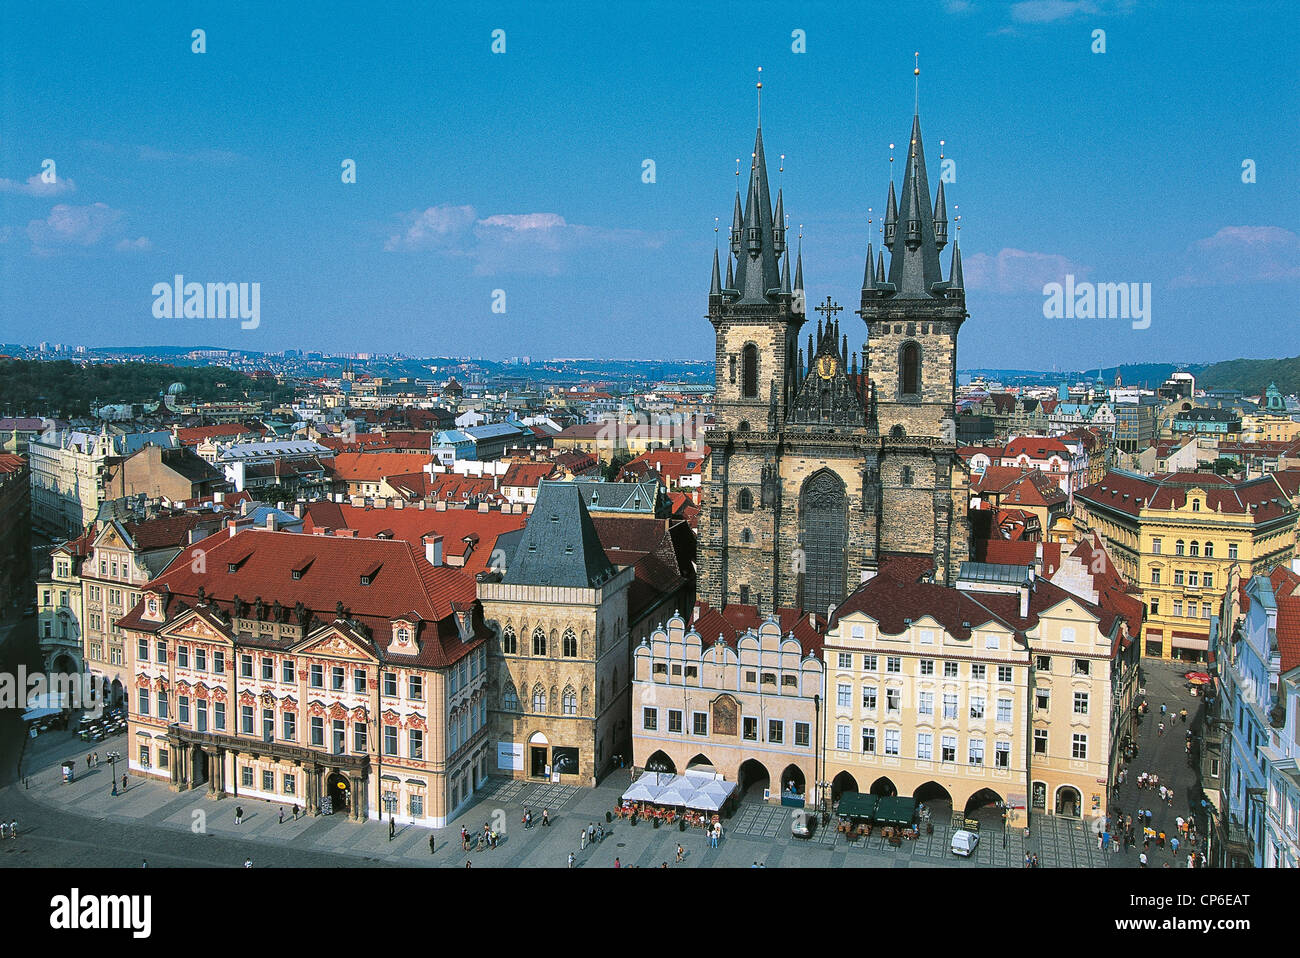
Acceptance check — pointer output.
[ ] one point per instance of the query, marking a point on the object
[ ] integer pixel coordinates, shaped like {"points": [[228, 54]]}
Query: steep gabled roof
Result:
{"points": [[560, 546]]}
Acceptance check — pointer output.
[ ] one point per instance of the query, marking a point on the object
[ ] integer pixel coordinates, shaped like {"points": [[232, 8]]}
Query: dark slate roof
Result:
{"points": [[759, 273], [914, 271], [560, 546]]}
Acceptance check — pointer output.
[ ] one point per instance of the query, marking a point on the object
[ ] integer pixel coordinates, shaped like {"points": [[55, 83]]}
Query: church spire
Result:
{"points": [[715, 287], [914, 269], [868, 280], [891, 217], [758, 271], [940, 219], [954, 275]]}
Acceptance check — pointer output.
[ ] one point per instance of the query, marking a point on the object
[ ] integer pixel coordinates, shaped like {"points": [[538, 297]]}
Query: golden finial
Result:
{"points": [[916, 81], [781, 168], [941, 142], [760, 96], [737, 166]]}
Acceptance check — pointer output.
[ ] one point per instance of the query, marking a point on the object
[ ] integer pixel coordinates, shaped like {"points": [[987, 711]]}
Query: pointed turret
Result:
{"points": [[891, 217], [758, 272], [954, 275], [735, 229], [914, 270], [868, 280], [940, 219], [798, 271], [785, 272], [731, 280], [715, 287], [880, 267], [778, 225]]}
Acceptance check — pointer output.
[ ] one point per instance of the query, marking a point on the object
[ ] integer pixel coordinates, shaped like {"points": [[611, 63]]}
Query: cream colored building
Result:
{"points": [[747, 706], [995, 692]]}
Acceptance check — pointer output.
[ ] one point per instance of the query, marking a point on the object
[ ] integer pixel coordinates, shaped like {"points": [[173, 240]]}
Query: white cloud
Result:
{"points": [[139, 245], [1017, 271], [505, 242], [68, 226], [1050, 11], [1242, 254], [35, 186], [435, 227]]}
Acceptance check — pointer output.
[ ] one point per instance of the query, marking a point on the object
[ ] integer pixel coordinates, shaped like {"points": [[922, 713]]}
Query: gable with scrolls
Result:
{"points": [[335, 643], [195, 624]]}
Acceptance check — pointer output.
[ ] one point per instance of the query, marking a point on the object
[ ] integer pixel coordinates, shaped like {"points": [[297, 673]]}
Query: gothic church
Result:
{"points": [[821, 469]]}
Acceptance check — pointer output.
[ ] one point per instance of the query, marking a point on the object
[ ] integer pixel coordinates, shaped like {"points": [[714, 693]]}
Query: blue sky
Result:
{"points": [[522, 171]]}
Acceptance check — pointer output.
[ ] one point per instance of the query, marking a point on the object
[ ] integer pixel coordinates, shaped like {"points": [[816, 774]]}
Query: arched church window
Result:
{"points": [[744, 425], [897, 432], [733, 368], [910, 371], [746, 536], [509, 641], [745, 500], [749, 371], [907, 475]]}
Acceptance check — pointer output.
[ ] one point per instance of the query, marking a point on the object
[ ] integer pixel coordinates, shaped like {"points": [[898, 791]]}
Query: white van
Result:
{"points": [[964, 842]]}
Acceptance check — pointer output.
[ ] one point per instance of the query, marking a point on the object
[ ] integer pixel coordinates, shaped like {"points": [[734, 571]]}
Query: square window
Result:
{"points": [[749, 729], [927, 666], [950, 670], [650, 719], [674, 720], [1004, 674], [842, 738], [846, 660], [869, 698], [892, 741], [978, 671], [894, 664], [802, 734], [1040, 741], [868, 740], [775, 731]]}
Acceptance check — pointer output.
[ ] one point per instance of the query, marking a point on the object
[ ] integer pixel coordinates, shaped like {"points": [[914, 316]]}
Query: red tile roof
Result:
{"points": [[375, 466], [1286, 594], [1018, 487], [1263, 497], [528, 474], [1036, 447], [402, 582], [734, 620]]}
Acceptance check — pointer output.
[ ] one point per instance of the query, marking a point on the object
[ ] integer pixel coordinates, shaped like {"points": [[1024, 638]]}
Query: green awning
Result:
{"points": [[896, 810], [857, 805]]}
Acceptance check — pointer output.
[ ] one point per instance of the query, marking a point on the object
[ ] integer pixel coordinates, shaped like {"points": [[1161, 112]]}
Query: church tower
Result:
{"points": [[818, 468], [913, 316]]}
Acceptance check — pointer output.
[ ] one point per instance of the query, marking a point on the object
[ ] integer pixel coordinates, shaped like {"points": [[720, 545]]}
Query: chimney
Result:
{"points": [[1024, 601], [433, 549], [297, 510], [423, 504], [232, 526], [270, 521]]}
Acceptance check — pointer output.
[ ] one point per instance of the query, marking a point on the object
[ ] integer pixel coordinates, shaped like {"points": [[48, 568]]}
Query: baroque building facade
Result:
{"points": [[819, 468]]}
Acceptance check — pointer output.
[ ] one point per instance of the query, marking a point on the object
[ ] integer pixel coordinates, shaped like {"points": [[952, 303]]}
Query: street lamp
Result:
{"points": [[112, 758], [1005, 809]]}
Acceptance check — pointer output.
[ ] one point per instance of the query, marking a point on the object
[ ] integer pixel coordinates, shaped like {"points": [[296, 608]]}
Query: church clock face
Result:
{"points": [[826, 366]]}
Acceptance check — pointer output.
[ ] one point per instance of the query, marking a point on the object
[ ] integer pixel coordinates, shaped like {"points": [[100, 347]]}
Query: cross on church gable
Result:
{"points": [[829, 309]]}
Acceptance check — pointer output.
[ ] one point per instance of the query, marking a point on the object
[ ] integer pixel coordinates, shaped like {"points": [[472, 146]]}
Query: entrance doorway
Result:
{"points": [[539, 755], [338, 790], [199, 773], [1068, 802]]}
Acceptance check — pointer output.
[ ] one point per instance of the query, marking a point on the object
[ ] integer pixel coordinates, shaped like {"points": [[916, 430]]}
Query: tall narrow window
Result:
{"points": [[749, 371], [910, 361]]}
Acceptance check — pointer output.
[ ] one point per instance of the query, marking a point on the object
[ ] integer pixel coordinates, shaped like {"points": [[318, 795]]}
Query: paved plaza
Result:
{"points": [[81, 823]]}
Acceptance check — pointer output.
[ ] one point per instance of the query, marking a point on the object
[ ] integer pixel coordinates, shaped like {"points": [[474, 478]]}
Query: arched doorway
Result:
{"points": [[883, 786], [753, 779], [1069, 802], [982, 799], [841, 783], [793, 788], [823, 533], [660, 762], [699, 759], [538, 755], [936, 799], [116, 692], [338, 789]]}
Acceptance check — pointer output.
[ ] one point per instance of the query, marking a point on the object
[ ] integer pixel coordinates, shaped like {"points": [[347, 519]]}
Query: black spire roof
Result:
{"points": [[559, 546], [914, 265], [758, 270]]}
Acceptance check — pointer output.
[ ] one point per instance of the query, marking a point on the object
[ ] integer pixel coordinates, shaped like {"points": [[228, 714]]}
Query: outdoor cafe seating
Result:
{"points": [[858, 814]]}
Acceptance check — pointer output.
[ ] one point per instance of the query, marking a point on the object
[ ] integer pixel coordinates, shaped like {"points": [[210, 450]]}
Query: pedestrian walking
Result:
{"points": [[582, 840], [239, 814], [124, 783], [1162, 709], [1169, 797], [468, 863], [1162, 792], [572, 859], [87, 760], [1026, 859], [464, 838], [1142, 860], [96, 754], [1161, 729], [4, 829], [144, 863], [1173, 844], [679, 854], [431, 844], [591, 834], [1182, 713], [546, 816], [1161, 840], [295, 811], [281, 814], [248, 863], [392, 828], [617, 863], [13, 828]]}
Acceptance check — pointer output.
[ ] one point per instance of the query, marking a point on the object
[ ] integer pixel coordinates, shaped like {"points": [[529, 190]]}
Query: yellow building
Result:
{"points": [[1175, 536], [997, 692]]}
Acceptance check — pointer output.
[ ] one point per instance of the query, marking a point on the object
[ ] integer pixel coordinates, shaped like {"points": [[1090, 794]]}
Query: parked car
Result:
{"points": [[803, 824], [964, 842]]}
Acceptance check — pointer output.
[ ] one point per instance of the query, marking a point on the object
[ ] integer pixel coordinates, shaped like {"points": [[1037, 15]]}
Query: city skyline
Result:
{"points": [[479, 172]]}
